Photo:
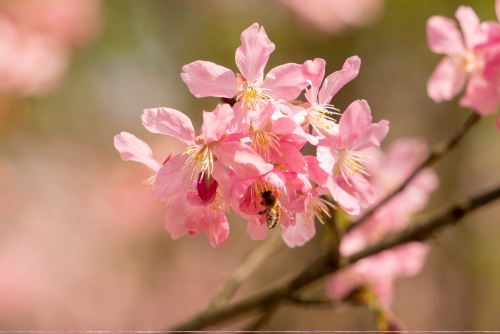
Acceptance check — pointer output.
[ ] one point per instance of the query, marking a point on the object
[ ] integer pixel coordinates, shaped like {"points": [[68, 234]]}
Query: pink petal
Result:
{"points": [[344, 199], [132, 148], [256, 230], [314, 72], [291, 158], [372, 136], [316, 173], [275, 178], [469, 22], [480, 95], [205, 78], [244, 161], [253, 54], [326, 158], [354, 122], [447, 80], [169, 122], [337, 80], [300, 233], [215, 225], [182, 218], [284, 126], [443, 36], [260, 118], [224, 184], [173, 178], [411, 258], [285, 82], [497, 9], [216, 123]]}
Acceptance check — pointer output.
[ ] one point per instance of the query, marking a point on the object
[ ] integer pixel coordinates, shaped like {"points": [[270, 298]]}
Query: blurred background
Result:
{"points": [[83, 245]]}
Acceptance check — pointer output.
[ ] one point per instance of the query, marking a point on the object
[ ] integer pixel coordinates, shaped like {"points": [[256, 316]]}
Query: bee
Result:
{"points": [[273, 209]]}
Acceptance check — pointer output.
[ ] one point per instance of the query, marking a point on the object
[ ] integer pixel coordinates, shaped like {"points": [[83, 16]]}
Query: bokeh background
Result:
{"points": [[82, 244]]}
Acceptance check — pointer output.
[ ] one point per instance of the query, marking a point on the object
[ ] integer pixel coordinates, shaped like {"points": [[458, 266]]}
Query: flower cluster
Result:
{"points": [[247, 154], [472, 60]]}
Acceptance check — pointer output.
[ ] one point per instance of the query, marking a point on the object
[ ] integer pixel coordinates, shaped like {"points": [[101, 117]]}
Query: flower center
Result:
{"points": [[469, 61], [317, 207], [351, 163], [201, 158], [251, 96], [257, 188], [264, 142], [321, 117]]}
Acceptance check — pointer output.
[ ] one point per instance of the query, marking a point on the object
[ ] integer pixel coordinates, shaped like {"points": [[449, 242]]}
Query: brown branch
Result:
{"points": [[328, 262], [436, 153], [251, 262]]}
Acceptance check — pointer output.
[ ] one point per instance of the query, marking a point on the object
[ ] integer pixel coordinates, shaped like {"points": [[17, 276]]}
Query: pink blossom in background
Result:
{"points": [[37, 38], [335, 16], [387, 172], [464, 63]]}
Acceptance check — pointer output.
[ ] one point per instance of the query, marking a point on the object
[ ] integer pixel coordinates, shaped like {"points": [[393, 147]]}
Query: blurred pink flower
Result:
{"points": [[37, 38], [335, 16], [70, 22], [465, 57]]}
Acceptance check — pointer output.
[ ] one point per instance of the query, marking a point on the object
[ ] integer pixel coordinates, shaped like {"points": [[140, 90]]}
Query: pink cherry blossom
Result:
{"points": [[250, 87], [343, 156], [319, 112], [464, 58]]}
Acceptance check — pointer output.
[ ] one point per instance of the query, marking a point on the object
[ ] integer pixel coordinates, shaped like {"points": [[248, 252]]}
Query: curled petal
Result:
{"points": [[337, 80], [244, 161], [443, 36], [132, 148], [285, 82], [205, 78], [326, 158], [169, 122], [173, 178], [253, 54], [314, 72], [447, 80]]}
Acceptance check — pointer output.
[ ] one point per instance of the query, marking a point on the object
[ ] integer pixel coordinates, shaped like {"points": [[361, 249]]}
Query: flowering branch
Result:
{"points": [[328, 262], [439, 150]]}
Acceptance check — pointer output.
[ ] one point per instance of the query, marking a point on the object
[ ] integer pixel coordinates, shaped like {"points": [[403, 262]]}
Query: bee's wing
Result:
{"points": [[287, 212]]}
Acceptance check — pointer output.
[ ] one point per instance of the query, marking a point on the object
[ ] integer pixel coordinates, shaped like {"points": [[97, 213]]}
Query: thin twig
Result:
{"points": [[264, 318], [327, 263], [436, 153], [251, 262]]}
